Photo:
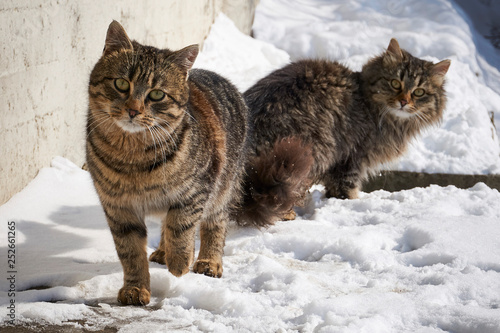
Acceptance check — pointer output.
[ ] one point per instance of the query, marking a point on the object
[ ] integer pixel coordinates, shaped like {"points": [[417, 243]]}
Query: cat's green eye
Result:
{"points": [[396, 84], [122, 85], [156, 95], [419, 92]]}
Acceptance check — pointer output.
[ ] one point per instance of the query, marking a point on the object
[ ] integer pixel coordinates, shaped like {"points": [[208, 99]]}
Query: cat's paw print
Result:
{"points": [[130, 295], [208, 267]]}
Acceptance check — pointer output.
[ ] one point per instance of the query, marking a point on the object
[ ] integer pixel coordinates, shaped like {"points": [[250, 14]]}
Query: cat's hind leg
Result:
{"points": [[289, 216], [159, 255]]}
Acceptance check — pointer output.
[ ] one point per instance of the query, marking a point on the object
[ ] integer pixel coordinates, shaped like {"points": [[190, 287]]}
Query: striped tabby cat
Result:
{"points": [[316, 121], [162, 138]]}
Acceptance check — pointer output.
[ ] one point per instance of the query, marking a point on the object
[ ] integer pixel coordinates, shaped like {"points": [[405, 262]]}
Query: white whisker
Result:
{"points": [[155, 131], [154, 141], [97, 121], [190, 116], [167, 132], [161, 140]]}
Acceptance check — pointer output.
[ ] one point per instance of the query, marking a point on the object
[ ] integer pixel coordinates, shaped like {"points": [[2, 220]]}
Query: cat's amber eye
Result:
{"points": [[156, 95], [396, 84], [419, 92], [122, 85]]}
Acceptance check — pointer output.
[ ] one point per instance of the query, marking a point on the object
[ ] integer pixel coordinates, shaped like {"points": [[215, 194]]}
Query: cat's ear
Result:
{"points": [[393, 55], [439, 70], [186, 56], [394, 50], [116, 39]]}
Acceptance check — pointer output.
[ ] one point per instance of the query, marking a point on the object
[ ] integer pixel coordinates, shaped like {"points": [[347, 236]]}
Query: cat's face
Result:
{"points": [[137, 87], [406, 87]]}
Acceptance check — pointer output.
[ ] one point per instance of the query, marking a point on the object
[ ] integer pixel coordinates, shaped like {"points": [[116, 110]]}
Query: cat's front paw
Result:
{"points": [[178, 262], [178, 266], [208, 267], [134, 296], [158, 256]]}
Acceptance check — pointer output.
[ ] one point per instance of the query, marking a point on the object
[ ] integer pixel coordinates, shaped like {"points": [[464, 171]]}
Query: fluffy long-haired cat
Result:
{"points": [[316, 121], [163, 138]]}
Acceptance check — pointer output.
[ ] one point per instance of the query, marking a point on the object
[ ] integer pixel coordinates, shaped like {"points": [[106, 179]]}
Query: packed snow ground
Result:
{"points": [[422, 260]]}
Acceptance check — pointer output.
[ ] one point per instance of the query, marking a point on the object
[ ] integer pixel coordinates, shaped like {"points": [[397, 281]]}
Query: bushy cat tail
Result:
{"points": [[274, 182]]}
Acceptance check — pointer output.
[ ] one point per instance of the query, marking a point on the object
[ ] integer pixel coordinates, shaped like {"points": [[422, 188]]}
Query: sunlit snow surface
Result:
{"points": [[422, 260]]}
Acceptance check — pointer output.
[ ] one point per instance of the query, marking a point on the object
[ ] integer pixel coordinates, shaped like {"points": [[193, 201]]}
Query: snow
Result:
{"points": [[238, 57], [421, 260]]}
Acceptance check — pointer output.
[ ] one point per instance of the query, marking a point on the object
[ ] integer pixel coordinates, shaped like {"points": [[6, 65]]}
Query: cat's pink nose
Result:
{"points": [[132, 113], [403, 102]]}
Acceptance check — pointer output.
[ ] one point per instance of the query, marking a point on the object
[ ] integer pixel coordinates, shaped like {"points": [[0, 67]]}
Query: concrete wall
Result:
{"points": [[47, 51]]}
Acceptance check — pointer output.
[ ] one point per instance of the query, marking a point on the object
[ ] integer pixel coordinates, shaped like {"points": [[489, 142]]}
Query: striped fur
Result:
{"points": [[172, 140], [349, 122]]}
